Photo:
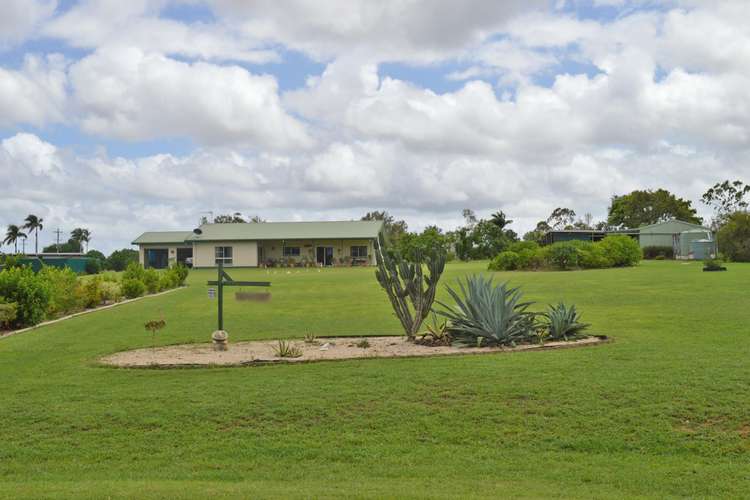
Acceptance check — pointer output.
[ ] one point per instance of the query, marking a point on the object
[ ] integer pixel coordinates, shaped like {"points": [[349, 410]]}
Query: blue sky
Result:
{"points": [[332, 109]]}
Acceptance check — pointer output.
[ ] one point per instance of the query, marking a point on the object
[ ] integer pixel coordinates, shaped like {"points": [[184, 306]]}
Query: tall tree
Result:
{"points": [[469, 216], [561, 218], [12, 235], [34, 223], [726, 198], [645, 207], [393, 229]]}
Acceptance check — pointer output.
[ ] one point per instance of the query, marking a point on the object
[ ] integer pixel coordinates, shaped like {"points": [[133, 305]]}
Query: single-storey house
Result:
{"points": [[687, 240], [263, 244]]}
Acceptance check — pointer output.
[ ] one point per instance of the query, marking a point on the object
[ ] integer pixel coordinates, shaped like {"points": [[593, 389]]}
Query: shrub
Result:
{"points": [[592, 256], [29, 291], [121, 259], [8, 313], [132, 288], [182, 272], [530, 258], [63, 288], [134, 271], [563, 255], [713, 265], [486, 314], [734, 237], [167, 280], [110, 291], [658, 252], [110, 276], [519, 246], [504, 261], [91, 292], [151, 280], [93, 266], [622, 250], [563, 322]]}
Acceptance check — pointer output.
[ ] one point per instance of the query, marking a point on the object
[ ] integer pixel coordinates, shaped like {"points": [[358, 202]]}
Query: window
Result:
{"points": [[223, 254], [359, 251], [291, 251]]}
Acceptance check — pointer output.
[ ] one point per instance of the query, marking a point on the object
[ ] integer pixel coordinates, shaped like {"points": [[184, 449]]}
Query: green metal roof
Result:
{"points": [[162, 237], [288, 231]]}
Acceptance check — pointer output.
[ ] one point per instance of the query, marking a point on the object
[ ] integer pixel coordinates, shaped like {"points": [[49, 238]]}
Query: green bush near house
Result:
{"points": [[505, 261], [151, 279], [29, 291], [133, 288], [612, 251], [8, 313]]}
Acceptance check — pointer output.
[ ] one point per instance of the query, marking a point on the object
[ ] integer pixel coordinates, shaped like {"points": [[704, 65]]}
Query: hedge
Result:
{"points": [[612, 251]]}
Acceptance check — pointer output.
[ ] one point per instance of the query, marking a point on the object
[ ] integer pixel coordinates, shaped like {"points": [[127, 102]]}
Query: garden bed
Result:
{"points": [[324, 349]]}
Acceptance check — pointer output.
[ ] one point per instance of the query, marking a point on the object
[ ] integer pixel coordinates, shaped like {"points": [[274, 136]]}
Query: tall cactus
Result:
{"points": [[410, 291]]}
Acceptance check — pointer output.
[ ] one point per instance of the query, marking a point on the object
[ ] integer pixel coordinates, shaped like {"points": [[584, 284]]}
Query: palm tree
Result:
{"points": [[34, 223], [11, 236], [81, 235]]}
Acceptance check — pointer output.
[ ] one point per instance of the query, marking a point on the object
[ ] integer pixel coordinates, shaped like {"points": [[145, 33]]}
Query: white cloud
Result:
{"points": [[20, 18], [35, 94], [129, 94], [96, 23], [414, 30]]}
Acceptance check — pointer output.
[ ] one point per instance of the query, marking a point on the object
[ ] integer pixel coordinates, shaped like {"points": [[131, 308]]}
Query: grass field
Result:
{"points": [[664, 411]]}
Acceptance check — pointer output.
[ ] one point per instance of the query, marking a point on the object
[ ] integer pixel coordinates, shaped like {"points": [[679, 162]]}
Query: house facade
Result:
{"points": [[263, 244]]}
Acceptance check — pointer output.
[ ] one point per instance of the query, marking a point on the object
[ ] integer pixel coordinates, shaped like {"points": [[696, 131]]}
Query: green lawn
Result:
{"points": [[662, 411]]}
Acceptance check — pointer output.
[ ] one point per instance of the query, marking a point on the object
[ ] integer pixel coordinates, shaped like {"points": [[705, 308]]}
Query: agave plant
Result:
{"points": [[486, 314], [436, 334], [564, 322], [286, 349]]}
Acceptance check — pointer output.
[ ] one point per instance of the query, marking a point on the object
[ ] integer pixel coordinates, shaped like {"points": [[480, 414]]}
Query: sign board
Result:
{"points": [[212, 293]]}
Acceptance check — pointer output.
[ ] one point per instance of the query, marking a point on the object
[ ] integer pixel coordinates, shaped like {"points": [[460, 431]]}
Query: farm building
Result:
{"points": [[263, 244], [687, 240]]}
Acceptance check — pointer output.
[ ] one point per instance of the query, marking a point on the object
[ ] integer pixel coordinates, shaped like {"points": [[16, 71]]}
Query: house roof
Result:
{"points": [[673, 221], [288, 231], [162, 237]]}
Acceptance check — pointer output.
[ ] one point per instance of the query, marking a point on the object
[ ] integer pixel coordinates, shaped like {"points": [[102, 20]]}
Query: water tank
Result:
{"points": [[702, 249]]}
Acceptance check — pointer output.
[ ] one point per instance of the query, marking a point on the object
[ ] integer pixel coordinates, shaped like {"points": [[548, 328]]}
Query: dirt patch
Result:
{"points": [[259, 352]]}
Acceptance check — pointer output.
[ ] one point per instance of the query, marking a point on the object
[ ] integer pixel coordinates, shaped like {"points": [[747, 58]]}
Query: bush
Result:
{"points": [[591, 255], [621, 250], [520, 246], [734, 237], [91, 292], [109, 276], [119, 260], [27, 289], [65, 297], [181, 272], [132, 288], [168, 280], [530, 258], [658, 252], [8, 313], [110, 291], [562, 255], [504, 261], [93, 265], [487, 314], [151, 280], [134, 271]]}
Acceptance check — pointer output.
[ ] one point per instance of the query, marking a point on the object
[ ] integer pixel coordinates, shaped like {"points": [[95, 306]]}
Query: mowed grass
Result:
{"points": [[664, 411]]}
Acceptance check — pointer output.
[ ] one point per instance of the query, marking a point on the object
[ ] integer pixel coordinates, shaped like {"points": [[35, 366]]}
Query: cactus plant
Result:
{"points": [[409, 289]]}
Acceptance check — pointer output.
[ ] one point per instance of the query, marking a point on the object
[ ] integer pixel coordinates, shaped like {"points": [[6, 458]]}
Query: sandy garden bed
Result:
{"points": [[332, 348]]}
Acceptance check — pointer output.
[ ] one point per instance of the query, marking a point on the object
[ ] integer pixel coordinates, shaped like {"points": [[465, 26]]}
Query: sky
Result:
{"points": [[124, 117]]}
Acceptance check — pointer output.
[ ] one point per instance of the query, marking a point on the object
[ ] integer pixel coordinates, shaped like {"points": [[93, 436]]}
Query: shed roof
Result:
{"points": [[671, 222], [162, 237]]}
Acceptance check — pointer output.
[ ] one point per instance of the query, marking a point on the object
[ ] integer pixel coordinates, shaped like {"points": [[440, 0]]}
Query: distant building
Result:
{"points": [[687, 240], [266, 243]]}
